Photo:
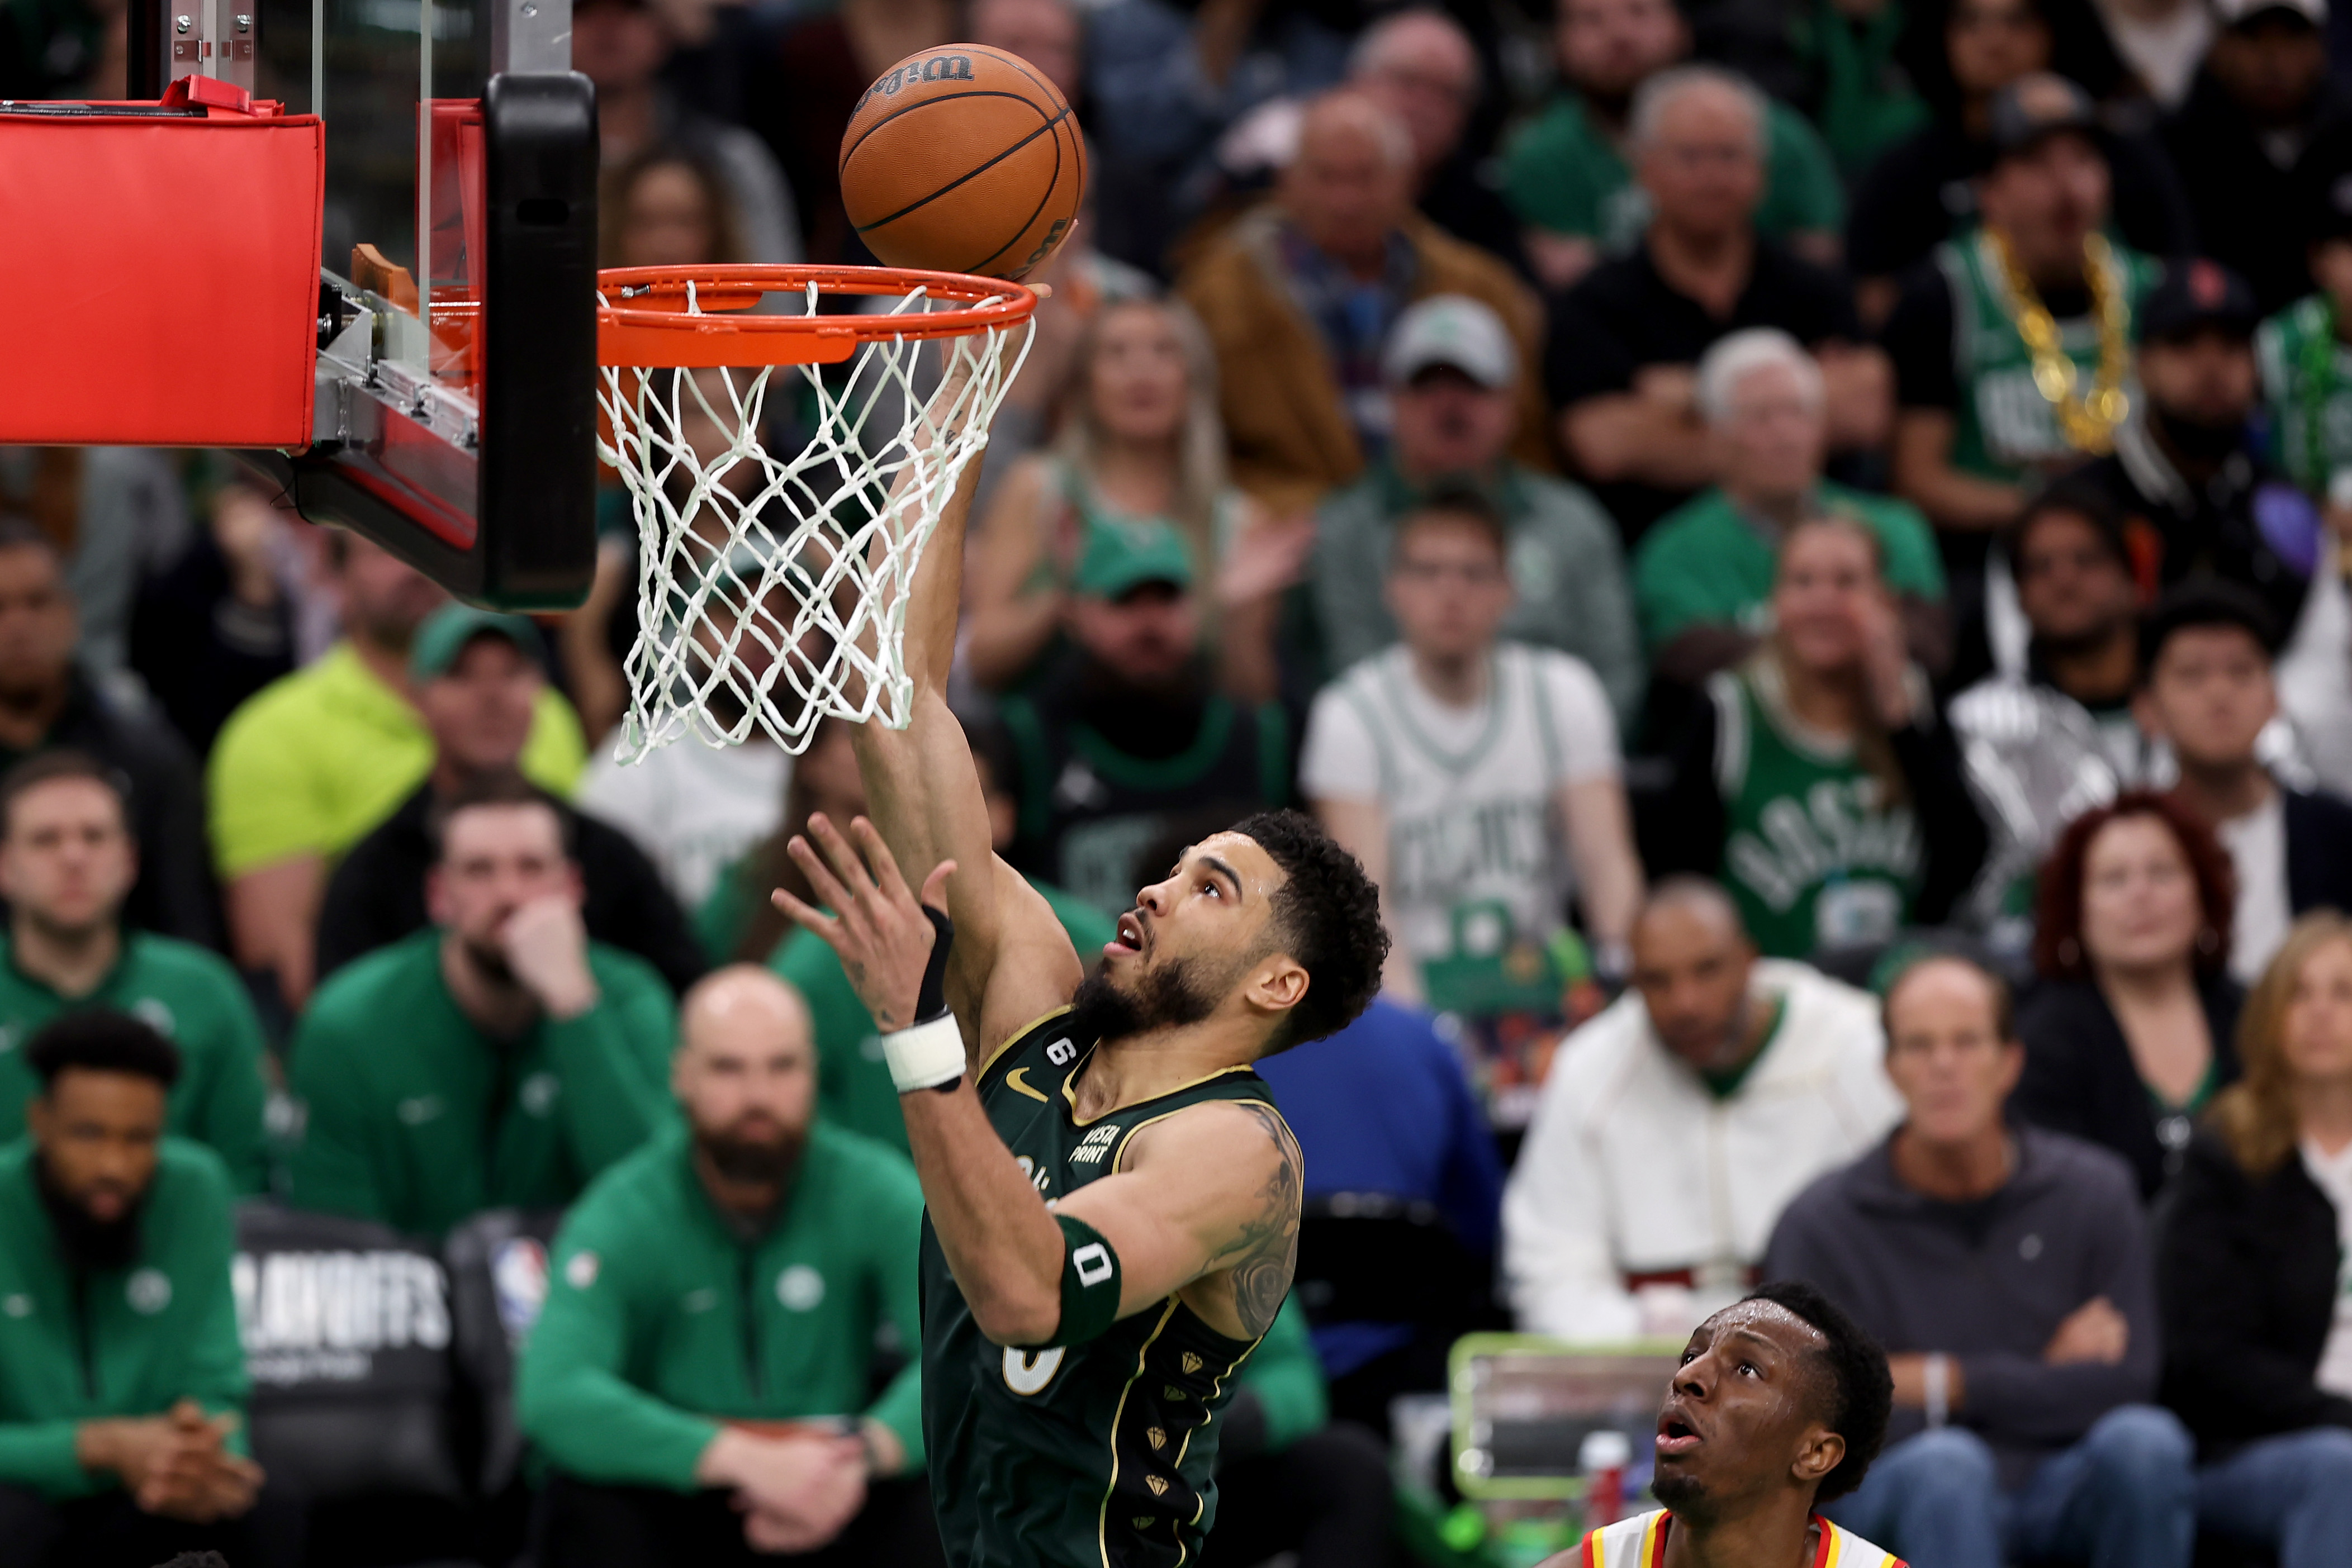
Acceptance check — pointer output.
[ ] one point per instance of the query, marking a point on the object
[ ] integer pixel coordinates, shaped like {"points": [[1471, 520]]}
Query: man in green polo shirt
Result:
{"points": [[67, 863], [498, 1057], [315, 759], [1565, 174], [1703, 575], [122, 1380], [701, 1377]]}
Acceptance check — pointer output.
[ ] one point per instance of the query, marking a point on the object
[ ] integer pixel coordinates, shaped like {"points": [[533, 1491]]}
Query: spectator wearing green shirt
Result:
{"points": [[67, 863], [313, 761], [1450, 368], [700, 1376], [121, 1379], [1703, 577], [498, 1058], [1566, 171]]}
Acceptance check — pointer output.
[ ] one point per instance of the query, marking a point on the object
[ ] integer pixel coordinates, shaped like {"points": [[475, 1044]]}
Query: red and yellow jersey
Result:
{"points": [[1640, 1542]]}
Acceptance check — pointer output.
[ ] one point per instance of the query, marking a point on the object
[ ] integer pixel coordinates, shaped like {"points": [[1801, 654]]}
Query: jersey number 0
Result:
{"points": [[1025, 1374]]}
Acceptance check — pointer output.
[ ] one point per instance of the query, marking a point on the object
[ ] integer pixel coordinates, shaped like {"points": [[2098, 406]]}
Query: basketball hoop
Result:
{"points": [[773, 586]]}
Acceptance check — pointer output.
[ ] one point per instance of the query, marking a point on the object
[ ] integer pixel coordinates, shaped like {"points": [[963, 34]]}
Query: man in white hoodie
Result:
{"points": [[1675, 1126]]}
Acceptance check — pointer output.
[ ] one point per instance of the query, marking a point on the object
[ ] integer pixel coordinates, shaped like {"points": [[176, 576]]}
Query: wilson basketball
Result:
{"points": [[962, 159]]}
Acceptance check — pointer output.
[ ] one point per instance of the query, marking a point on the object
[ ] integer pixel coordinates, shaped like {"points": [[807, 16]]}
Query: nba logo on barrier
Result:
{"points": [[519, 1279]]}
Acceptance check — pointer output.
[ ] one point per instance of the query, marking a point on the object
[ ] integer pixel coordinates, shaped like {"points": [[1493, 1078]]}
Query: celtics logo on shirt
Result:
{"points": [[1815, 853]]}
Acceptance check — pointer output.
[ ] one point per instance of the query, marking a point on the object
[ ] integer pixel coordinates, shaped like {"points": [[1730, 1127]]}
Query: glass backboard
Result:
{"points": [[455, 416]]}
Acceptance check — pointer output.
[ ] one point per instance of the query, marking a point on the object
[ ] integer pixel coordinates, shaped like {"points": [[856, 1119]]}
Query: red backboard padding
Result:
{"points": [[158, 277]]}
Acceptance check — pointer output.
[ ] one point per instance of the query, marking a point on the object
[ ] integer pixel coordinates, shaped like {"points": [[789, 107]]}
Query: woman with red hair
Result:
{"points": [[2129, 1039]]}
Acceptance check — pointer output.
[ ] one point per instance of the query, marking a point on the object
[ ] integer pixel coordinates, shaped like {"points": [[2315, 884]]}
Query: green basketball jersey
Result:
{"points": [[2307, 381], [2005, 426], [1812, 853], [1100, 1455]]}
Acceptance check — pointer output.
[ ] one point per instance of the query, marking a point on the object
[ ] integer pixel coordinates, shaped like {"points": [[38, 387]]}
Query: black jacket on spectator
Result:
{"points": [[2319, 851], [1104, 770], [1465, 198], [1988, 1283], [377, 894], [174, 894], [2250, 212], [2248, 525], [2079, 1078], [1681, 829], [1623, 316], [201, 649], [1918, 194], [2245, 1276]]}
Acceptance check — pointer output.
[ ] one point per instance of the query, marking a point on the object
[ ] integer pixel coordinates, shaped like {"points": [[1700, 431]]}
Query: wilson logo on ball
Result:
{"points": [[943, 67], [963, 159]]}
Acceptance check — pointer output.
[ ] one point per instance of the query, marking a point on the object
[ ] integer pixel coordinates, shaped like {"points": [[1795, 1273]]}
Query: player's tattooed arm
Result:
{"points": [[1205, 1202], [1265, 1256]]}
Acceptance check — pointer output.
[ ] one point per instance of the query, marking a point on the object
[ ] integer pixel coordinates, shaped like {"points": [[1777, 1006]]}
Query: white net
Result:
{"points": [[772, 587]]}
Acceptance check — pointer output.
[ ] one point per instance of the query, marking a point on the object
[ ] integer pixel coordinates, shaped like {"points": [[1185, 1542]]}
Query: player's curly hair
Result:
{"points": [[1859, 1392], [1328, 917]]}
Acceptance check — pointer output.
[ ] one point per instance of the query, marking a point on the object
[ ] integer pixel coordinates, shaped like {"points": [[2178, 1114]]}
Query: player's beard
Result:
{"points": [[1167, 997]]}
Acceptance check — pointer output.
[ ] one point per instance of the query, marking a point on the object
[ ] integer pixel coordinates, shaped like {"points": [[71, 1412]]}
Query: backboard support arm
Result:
{"points": [[488, 486]]}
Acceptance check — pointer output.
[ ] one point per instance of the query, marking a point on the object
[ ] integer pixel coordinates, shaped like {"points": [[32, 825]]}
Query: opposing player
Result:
{"points": [[1113, 1199], [1779, 1405]]}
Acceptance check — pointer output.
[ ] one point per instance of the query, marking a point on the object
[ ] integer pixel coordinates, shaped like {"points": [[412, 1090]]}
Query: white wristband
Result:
{"points": [[926, 1055], [1937, 1375]]}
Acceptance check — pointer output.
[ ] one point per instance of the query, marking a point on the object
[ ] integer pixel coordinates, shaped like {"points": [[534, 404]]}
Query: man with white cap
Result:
{"points": [[1451, 370]]}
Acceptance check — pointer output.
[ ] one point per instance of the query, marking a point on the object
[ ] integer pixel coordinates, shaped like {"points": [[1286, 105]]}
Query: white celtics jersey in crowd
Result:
{"points": [[1640, 1542], [1478, 860]]}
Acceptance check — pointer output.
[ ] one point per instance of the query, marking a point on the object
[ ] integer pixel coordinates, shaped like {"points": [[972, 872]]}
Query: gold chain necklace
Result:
{"points": [[2086, 422]]}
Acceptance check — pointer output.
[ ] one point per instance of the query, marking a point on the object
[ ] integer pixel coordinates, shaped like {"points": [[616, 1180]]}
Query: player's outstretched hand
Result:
{"points": [[877, 926]]}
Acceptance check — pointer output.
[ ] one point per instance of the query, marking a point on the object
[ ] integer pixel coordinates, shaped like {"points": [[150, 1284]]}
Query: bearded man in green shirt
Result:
{"points": [[701, 1375], [121, 1379], [68, 860], [498, 1057]]}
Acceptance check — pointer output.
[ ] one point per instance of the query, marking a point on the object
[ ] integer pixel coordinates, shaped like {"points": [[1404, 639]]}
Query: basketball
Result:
{"points": [[962, 159]]}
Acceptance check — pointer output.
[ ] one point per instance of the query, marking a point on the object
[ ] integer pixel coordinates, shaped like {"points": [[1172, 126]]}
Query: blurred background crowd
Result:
{"points": [[1726, 510]]}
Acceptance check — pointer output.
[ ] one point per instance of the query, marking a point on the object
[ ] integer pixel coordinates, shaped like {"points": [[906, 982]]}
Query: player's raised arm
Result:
{"points": [[1204, 1204], [1012, 960]]}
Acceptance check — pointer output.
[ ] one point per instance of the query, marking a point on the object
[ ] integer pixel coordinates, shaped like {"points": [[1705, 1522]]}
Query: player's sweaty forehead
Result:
{"points": [[1765, 1323], [1240, 860]]}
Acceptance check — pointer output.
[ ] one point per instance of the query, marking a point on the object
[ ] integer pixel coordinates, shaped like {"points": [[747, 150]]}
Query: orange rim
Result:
{"points": [[642, 319]]}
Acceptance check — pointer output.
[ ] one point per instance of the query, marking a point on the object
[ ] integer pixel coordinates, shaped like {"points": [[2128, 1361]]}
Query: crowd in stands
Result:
{"points": [[1807, 546]]}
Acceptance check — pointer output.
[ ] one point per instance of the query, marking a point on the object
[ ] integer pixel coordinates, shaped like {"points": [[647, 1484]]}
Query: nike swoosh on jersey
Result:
{"points": [[1018, 1081]]}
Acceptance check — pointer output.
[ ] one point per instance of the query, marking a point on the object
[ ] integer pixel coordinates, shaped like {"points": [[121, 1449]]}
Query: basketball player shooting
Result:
{"points": [[1779, 1406], [1112, 1198]]}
